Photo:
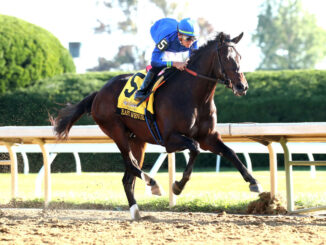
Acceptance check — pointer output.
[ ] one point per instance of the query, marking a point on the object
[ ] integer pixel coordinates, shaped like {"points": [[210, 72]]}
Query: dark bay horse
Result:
{"points": [[185, 115]]}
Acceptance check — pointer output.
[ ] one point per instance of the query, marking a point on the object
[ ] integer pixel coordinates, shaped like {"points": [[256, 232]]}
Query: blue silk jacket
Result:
{"points": [[165, 34]]}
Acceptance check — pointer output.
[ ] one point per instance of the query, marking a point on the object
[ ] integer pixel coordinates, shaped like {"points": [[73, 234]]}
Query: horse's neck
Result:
{"points": [[204, 89]]}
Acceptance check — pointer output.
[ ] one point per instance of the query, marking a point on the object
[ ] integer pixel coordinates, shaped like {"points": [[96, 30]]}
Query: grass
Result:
{"points": [[205, 192]]}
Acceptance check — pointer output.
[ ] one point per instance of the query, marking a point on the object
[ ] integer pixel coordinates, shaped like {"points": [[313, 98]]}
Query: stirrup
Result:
{"points": [[143, 98], [140, 95]]}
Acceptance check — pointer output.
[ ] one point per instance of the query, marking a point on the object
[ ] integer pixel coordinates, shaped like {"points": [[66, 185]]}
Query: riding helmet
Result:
{"points": [[186, 27]]}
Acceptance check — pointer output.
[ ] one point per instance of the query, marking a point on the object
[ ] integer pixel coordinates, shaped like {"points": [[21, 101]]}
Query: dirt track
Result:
{"points": [[33, 226]]}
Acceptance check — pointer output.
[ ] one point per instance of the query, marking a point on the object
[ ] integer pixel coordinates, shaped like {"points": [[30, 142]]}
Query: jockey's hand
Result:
{"points": [[180, 65]]}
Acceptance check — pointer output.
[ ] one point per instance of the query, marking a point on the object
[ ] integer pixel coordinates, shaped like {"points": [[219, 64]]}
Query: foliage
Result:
{"points": [[31, 106], [29, 53], [288, 36], [167, 8], [128, 10], [131, 55], [126, 7], [273, 96], [276, 96]]}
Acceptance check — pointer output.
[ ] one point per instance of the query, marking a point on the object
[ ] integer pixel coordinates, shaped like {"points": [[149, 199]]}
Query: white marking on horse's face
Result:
{"points": [[234, 56], [240, 71]]}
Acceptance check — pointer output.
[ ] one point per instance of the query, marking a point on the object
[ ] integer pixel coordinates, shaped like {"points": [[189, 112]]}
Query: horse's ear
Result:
{"points": [[238, 38], [221, 37]]}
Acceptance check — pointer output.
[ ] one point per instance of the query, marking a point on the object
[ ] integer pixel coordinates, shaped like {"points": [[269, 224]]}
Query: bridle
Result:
{"points": [[216, 80], [224, 80]]}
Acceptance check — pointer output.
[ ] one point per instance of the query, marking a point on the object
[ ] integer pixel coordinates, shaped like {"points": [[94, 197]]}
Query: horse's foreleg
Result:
{"points": [[178, 142], [129, 186], [178, 186], [215, 144]]}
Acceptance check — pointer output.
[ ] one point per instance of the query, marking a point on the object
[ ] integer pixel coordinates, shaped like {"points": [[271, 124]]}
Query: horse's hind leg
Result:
{"points": [[138, 150], [132, 151], [179, 142], [214, 144], [132, 171]]}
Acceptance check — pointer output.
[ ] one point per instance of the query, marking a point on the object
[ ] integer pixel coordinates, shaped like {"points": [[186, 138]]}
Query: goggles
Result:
{"points": [[188, 38]]}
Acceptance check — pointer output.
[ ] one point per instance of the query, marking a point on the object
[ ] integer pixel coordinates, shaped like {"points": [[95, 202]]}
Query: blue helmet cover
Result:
{"points": [[186, 27]]}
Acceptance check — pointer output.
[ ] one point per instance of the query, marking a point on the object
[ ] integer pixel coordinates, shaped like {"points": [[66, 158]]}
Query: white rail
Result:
{"points": [[75, 149], [266, 133]]}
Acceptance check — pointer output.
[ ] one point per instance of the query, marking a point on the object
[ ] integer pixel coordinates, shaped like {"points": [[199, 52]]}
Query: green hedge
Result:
{"points": [[280, 96], [276, 96], [31, 106], [29, 53]]}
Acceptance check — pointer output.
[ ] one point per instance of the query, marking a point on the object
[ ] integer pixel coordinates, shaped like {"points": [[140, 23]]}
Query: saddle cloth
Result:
{"points": [[127, 105]]}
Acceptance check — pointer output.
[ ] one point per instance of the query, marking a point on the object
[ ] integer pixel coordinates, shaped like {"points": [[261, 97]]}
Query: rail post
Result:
{"points": [[288, 175], [273, 169], [13, 168], [47, 172], [171, 163]]}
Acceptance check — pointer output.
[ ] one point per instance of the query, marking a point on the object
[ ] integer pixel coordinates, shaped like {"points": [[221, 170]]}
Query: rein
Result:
{"points": [[195, 74]]}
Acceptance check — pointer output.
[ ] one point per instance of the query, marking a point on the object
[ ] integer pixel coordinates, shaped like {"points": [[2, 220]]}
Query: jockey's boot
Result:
{"points": [[147, 84]]}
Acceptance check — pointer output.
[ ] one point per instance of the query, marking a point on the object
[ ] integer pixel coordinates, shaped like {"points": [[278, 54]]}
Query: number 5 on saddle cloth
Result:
{"points": [[143, 110]]}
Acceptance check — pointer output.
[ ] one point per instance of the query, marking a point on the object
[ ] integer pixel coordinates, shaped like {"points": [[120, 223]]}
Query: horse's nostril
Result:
{"points": [[240, 87]]}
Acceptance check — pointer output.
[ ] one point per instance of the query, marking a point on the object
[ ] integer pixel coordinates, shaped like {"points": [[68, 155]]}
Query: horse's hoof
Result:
{"points": [[256, 188], [157, 190], [176, 189], [134, 211]]}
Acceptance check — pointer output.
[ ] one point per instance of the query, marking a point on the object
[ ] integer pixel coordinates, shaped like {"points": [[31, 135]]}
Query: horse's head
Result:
{"points": [[229, 60]]}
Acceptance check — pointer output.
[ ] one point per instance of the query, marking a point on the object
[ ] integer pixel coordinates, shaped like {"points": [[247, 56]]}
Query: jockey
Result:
{"points": [[174, 43]]}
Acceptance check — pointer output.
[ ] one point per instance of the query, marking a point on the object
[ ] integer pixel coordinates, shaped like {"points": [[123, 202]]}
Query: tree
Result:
{"points": [[127, 8], [128, 55], [167, 8], [131, 55], [288, 36], [29, 53]]}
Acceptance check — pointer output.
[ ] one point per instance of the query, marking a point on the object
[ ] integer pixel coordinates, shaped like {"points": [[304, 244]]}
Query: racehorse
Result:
{"points": [[185, 115]]}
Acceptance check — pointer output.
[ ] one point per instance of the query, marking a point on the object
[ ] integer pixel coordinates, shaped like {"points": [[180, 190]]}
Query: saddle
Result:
{"points": [[143, 110]]}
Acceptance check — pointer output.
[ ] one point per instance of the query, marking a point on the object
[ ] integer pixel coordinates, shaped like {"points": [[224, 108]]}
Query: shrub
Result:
{"points": [[276, 96], [29, 53], [31, 106]]}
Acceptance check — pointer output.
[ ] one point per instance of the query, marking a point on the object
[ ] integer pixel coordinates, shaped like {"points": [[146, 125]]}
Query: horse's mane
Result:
{"points": [[216, 40]]}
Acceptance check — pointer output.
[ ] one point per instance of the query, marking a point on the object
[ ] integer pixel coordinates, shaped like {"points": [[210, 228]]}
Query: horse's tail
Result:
{"points": [[70, 114]]}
